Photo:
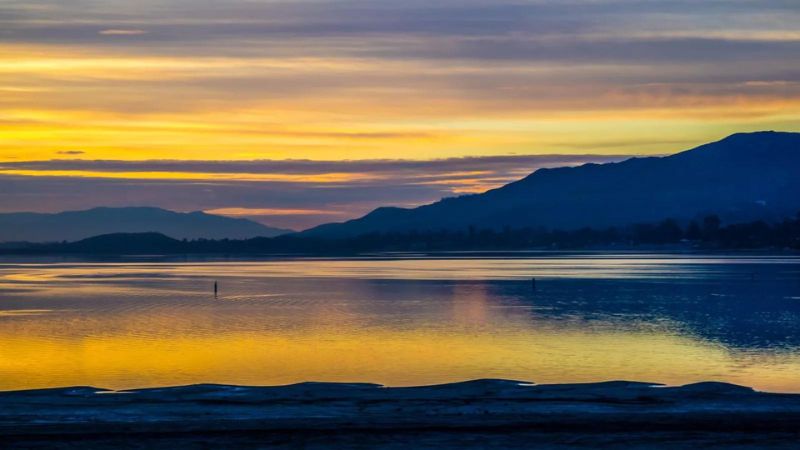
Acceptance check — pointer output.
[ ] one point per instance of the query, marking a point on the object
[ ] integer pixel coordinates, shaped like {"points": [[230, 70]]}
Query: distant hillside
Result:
{"points": [[710, 233], [76, 225], [127, 243], [743, 177]]}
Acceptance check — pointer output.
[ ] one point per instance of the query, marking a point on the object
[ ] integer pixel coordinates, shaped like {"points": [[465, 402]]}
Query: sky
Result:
{"points": [[300, 112]]}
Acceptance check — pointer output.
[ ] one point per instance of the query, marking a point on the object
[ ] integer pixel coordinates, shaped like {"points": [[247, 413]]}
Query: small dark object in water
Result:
{"points": [[215, 289], [533, 283]]}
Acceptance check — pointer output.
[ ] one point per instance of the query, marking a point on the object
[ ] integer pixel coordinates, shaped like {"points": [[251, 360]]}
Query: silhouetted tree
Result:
{"points": [[693, 232], [711, 226]]}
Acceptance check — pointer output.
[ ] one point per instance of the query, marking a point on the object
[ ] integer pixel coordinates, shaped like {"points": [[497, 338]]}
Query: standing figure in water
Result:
{"points": [[215, 289]]}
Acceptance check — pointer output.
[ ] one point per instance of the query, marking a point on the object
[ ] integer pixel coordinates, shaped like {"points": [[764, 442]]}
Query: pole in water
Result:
{"points": [[533, 283], [215, 289]]}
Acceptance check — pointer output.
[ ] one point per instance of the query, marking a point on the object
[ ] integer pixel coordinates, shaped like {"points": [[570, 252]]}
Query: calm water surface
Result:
{"points": [[409, 321]]}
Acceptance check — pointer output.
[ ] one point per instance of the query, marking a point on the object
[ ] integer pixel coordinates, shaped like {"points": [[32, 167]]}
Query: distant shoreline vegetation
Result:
{"points": [[708, 233]]}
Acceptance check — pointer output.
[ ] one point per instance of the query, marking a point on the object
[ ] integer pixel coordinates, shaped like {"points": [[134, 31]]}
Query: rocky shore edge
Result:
{"points": [[359, 411]]}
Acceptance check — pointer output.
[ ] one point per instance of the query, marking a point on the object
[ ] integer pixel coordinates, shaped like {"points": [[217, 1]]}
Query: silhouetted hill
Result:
{"points": [[126, 243], [709, 234], [75, 225], [747, 176]]}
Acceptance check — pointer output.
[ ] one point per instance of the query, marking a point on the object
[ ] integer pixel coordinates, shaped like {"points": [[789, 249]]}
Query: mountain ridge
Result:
{"points": [[81, 224], [717, 177]]}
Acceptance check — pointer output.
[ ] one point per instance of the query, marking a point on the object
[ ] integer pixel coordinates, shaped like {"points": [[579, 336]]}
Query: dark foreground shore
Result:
{"points": [[470, 415]]}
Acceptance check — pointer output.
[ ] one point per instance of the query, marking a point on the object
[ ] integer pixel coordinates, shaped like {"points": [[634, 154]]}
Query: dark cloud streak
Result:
{"points": [[501, 163], [394, 182]]}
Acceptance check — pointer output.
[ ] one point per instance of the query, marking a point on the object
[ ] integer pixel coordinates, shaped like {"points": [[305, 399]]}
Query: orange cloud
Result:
{"points": [[122, 32], [233, 176], [271, 212]]}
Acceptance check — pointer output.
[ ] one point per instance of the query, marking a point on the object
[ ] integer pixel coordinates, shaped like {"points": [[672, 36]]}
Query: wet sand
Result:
{"points": [[474, 414]]}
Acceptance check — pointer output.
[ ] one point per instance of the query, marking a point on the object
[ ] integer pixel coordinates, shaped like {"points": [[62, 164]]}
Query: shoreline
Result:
{"points": [[11, 257], [232, 416]]}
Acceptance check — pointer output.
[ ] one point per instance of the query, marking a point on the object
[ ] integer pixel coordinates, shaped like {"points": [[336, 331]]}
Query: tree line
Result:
{"points": [[707, 233]]}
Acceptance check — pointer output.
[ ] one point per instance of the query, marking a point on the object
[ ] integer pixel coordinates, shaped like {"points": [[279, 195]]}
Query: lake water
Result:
{"points": [[401, 321]]}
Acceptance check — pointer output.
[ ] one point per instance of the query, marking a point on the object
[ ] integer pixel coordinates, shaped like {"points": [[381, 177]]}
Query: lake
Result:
{"points": [[410, 320]]}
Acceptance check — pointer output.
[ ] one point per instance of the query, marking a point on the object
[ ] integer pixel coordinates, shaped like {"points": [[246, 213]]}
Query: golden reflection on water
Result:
{"points": [[135, 325], [614, 266]]}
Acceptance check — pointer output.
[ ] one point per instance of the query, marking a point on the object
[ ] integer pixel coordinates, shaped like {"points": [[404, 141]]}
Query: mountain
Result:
{"points": [[745, 176], [75, 225], [125, 243]]}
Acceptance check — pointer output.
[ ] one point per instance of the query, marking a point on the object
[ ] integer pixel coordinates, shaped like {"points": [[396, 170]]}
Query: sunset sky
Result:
{"points": [[299, 112]]}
